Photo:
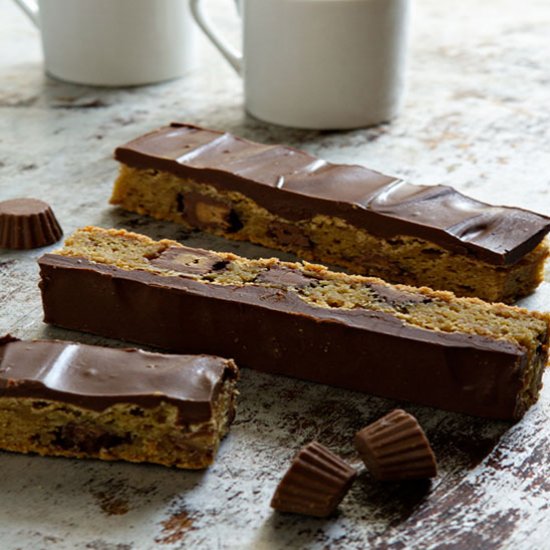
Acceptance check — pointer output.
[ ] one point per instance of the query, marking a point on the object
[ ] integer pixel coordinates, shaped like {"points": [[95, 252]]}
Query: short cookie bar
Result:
{"points": [[74, 400]]}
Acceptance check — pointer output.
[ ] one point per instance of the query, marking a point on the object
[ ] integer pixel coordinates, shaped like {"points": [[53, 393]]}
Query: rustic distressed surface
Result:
{"points": [[477, 117]]}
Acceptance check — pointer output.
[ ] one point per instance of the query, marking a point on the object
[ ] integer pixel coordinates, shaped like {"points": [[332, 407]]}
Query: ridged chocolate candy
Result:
{"points": [[396, 448], [27, 223], [315, 483]]}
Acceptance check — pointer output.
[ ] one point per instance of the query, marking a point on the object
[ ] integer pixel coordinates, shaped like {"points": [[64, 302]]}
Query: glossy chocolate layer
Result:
{"points": [[270, 328], [95, 377], [297, 186]]}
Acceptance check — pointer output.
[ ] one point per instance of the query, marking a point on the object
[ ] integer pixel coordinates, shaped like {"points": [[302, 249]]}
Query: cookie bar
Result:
{"points": [[75, 400], [343, 215], [305, 321]]}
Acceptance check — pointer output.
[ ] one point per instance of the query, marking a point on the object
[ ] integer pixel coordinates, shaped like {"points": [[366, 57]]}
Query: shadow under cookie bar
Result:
{"points": [[74, 400], [344, 215], [298, 320]]}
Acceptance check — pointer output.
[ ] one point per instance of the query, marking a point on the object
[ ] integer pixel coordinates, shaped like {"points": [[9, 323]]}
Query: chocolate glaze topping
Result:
{"points": [[296, 186], [272, 329], [96, 377]]}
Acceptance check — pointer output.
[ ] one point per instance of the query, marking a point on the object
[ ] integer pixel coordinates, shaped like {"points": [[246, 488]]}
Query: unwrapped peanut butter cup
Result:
{"points": [[315, 483], [396, 448], [27, 223]]}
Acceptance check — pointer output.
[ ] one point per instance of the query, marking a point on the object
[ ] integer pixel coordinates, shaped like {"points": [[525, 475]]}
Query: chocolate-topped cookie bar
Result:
{"points": [[345, 215], [75, 400], [305, 321]]}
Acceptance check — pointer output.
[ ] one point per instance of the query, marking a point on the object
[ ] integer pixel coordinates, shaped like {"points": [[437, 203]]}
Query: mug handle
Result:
{"points": [[234, 58], [30, 9]]}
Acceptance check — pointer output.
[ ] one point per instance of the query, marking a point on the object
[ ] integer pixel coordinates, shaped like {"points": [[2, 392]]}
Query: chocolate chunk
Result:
{"points": [[397, 297], [180, 202], [202, 211], [283, 277], [188, 261], [395, 448], [288, 234], [235, 223], [27, 223], [85, 439], [315, 483]]}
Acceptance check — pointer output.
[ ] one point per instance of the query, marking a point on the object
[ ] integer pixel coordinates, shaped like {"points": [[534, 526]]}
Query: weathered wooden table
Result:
{"points": [[476, 117]]}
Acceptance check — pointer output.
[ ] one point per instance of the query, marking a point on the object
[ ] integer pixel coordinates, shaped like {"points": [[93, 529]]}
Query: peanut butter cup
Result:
{"points": [[27, 223], [396, 448], [315, 483]]}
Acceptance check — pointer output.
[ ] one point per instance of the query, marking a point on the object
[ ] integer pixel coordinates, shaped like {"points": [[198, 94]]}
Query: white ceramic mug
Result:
{"points": [[321, 64], [114, 42]]}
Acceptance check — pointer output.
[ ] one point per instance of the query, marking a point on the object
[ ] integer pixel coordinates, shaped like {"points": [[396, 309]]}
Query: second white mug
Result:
{"points": [[320, 64]]}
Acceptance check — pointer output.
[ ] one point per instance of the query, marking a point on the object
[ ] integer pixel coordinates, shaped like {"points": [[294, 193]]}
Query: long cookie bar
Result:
{"points": [[66, 399], [344, 215], [361, 333]]}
